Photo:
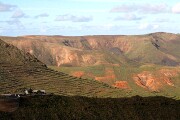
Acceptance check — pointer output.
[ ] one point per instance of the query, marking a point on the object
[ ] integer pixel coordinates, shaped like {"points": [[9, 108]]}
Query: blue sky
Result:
{"points": [[88, 17]]}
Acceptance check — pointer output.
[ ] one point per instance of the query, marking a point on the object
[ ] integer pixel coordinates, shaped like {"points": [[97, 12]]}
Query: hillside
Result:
{"points": [[133, 63], [19, 70], [82, 108], [155, 48]]}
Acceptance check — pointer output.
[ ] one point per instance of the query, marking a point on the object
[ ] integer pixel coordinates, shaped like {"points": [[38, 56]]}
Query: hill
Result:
{"points": [[155, 48], [83, 108], [19, 70], [137, 63]]}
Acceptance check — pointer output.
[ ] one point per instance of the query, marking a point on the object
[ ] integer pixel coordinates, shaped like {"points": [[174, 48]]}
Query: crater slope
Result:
{"points": [[19, 70]]}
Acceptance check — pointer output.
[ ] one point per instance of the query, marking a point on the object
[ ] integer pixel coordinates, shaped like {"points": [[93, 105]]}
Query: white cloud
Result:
{"points": [[42, 15], [6, 7], [104, 27], [73, 18], [19, 14], [176, 8], [129, 17], [124, 8], [162, 20], [16, 22], [145, 26], [143, 8], [154, 8]]}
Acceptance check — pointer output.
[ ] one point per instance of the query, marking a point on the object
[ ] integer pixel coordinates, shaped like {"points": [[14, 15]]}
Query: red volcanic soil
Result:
{"points": [[121, 84], [109, 75], [108, 78], [154, 82], [78, 74], [8, 104]]}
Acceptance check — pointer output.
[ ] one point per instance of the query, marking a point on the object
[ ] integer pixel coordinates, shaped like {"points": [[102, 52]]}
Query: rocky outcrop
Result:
{"points": [[156, 81]]}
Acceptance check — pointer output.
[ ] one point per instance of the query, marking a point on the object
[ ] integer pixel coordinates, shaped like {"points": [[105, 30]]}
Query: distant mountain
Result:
{"points": [[19, 70], [156, 48]]}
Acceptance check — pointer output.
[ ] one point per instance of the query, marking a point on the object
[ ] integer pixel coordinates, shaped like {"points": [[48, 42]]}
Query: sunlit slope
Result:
{"points": [[156, 48], [141, 80], [139, 63], [19, 71]]}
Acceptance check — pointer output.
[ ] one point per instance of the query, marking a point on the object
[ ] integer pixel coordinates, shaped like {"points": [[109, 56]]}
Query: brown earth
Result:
{"points": [[109, 50], [19, 71], [78, 74], [121, 85], [95, 50], [109, 77], [155, 81]]}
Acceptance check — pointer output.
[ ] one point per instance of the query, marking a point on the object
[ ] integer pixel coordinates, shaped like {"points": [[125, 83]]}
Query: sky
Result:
{"points": [[88, 17]]}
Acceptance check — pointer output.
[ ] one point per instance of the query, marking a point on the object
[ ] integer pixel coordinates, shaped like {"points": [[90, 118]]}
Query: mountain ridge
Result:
{"points": [[76, 49]]}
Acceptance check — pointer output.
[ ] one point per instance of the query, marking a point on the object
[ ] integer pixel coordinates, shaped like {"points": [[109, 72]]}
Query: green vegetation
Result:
{"points": [[121, 56], [20, 70], [28, 72], [125, 73], [19, 77], [98, 70]]}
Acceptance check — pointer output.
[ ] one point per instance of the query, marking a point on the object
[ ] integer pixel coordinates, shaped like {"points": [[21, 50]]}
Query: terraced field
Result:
{"points": [[15, 78], [19, 70]]}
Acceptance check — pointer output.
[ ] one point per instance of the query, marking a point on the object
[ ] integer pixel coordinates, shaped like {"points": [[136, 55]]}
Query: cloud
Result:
{"points": [[176, 8], [42, 15], [104, 27], [6, 7], [15, 22], [124, 8], [73, 18], [19, 14], [130, 17], [158, 8], [162, 20], [144, 8], [144, 26]]}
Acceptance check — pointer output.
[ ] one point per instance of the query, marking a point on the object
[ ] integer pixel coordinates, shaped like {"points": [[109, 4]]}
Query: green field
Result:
{"points": [[125, 73]]}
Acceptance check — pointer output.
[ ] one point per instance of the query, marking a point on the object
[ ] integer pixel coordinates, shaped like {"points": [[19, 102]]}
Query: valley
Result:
{"points": [[140, 64], [83, 81]]}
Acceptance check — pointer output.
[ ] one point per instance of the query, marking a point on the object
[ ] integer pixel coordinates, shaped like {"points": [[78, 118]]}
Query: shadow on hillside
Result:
{"points": [[67, 108]]}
